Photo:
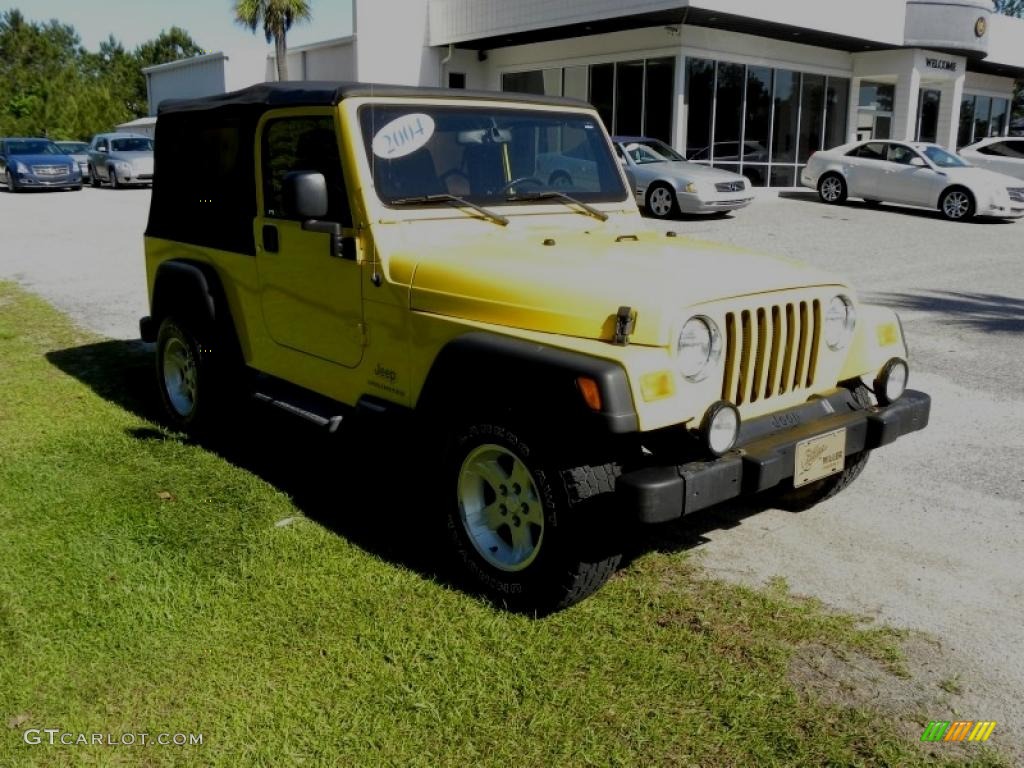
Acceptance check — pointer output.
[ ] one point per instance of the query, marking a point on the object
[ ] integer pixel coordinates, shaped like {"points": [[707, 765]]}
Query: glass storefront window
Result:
{"points": [[982, 112], [728, 112], [757, 124], [812, 115], [602, 92], [966, 122], [787, 115], [997, 123], [659, 98], [837, 100], [875, 110], [629, 98], [700, 94], [539, 82], [928, 115]]}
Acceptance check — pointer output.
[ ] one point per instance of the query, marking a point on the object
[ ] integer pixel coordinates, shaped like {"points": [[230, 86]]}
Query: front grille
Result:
{"points": [[1016, 194], [771, 350], [49, 170], [730, 186]]}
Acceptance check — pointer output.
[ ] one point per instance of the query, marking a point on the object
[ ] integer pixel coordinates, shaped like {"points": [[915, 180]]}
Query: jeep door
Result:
{"points": [[310, 293]]}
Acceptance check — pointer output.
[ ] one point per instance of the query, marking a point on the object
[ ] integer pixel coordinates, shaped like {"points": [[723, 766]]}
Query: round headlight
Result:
{"points": [[720, 427], [891, 382], [840, 320], [699, 347]]}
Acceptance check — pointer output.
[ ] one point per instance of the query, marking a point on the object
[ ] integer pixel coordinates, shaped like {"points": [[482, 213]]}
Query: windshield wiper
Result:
{"points": [[452, 200], [556, 195]]}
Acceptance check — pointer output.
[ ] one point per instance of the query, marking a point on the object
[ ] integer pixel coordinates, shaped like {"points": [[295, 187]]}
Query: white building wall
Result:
{"points": [[460, 20], [186, 79], [1006, 41], [326, 60], [391, 43]]}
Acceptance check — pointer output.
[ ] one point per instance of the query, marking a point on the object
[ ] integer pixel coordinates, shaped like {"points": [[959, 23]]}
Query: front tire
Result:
{"points": [[114, 183], [94, 179], [957, 204], [517, 524], [832, 189], [12, 185], [661, 201]]}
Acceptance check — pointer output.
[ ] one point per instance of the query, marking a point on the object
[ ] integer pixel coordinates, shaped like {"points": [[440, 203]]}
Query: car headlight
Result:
{"points": [[20, 167], [124, 167], [699, 347], [691, 188], [840, 320]]}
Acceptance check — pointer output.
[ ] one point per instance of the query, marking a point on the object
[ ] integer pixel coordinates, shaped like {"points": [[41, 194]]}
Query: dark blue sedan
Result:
{"points": [[36, 164]]}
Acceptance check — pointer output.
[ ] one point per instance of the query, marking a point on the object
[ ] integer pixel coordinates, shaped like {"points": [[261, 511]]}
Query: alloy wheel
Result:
{"points": [[956, 204], [831, 189], [180, 376], [500, 507], [660, 201]]}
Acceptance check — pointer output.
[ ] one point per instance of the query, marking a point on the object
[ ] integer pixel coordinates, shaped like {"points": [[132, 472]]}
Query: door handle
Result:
{"points": [[270, 239]]}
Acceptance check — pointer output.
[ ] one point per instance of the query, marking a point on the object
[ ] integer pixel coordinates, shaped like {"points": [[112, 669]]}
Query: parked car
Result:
{"points": [[1000, 154], [36, 164], [666, 183], [912, 173], [120, 159], [79, 152], [570, 369]]}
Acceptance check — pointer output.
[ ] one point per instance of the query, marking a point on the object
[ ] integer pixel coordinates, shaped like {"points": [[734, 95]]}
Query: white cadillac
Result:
{"points": [[913, 173], [1003, 154]]}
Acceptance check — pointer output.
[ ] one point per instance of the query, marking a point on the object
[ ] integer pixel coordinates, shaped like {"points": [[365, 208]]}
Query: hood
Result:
{"points": [[43, 160], [576, 286], [981, 176], [698, 172]]}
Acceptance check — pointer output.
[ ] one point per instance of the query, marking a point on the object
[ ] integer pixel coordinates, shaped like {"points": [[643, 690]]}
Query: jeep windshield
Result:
{"points": [[488, 156]]}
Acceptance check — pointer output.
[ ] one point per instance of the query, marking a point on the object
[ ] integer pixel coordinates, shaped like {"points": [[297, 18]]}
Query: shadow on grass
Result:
{"points": [[364, 483], [985, 312], [810, 195]]}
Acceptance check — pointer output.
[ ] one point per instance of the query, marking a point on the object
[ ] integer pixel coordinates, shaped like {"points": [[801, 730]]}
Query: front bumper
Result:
{"points": [[766, 454], [31, 180], [696, 204], [1009, 209]]}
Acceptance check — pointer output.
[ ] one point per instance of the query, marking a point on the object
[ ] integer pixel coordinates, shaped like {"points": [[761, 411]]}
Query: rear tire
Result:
{"points": [[195, 375], [12, 185], [528, 531], [832, 189], [94, 180], [957, 204], [114, 183], [807, 496]]}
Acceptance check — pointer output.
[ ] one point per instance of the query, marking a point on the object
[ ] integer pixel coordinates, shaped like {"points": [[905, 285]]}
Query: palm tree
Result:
{"points": [[277, 17]]}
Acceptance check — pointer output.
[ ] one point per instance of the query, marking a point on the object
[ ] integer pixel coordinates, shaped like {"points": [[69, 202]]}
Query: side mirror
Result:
{"points": [[101, 149], [305, 194], [918, 162]]}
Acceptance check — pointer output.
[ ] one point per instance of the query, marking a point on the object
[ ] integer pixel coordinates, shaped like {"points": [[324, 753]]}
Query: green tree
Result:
{"points": [[276, 17]]}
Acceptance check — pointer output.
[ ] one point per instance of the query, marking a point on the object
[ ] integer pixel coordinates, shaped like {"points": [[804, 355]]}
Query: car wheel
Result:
{"points": [[661, 201], [560, 180], [805, 497], [196, 374], [114, 183], [529, 537], [832, 189], [12, 185], [957, 204]]}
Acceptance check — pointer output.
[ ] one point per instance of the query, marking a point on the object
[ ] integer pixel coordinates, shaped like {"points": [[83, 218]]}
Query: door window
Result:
{"points": [[302, 144], [872, 151], [901, 154]]}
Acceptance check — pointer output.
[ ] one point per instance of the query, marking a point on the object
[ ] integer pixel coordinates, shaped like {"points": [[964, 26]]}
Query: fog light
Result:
{"points": [[721, 427], [891, 381]]}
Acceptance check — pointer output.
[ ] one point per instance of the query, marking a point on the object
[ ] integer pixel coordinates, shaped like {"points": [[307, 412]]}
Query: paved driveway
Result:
{"points": [[931, 537]]}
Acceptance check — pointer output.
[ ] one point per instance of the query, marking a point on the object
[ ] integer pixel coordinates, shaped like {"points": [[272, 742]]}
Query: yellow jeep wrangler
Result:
{"points": [[476, 261]]}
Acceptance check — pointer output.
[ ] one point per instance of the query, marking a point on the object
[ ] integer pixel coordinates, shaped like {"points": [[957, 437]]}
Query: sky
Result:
{"points": [[209, 22]]}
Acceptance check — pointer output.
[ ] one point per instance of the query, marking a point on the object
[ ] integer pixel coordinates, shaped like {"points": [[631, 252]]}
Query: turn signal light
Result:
{"points": [[657, 386], [590, 391]]}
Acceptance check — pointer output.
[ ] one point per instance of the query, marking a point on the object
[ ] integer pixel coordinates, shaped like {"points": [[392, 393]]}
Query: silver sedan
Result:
{"points": [[666, 184]]}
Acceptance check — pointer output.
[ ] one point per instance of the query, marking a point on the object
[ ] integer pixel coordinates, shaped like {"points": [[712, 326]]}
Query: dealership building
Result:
{"points": [[754, 86]]}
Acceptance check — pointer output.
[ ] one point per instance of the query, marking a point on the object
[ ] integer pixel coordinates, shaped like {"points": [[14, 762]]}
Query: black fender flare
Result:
{"points": [[484, 371], [192, 292]]}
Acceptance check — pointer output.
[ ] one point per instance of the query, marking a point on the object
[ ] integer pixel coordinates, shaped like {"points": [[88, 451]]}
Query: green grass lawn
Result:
{"points": [[147, 585]]}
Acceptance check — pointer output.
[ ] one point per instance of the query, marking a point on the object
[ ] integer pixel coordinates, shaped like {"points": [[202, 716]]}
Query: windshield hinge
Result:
{"points": [[625, 322]]}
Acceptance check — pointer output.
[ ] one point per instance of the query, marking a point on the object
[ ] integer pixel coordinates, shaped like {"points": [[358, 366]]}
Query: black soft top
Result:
{"points": [[310, 93]]}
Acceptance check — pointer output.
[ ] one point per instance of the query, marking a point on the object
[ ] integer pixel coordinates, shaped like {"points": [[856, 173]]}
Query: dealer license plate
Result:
{"points": [[818, 457]]}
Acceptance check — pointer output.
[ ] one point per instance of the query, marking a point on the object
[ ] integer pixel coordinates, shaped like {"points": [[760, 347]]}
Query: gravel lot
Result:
{"points": [[930, 538]]}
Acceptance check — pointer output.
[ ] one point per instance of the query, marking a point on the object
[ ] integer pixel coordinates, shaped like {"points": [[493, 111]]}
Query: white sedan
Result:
{"points": [[913, 173], [1003, 154]]}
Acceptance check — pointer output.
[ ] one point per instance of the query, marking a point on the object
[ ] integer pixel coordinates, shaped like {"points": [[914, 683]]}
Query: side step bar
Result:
{"points": [[314, 413]]}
